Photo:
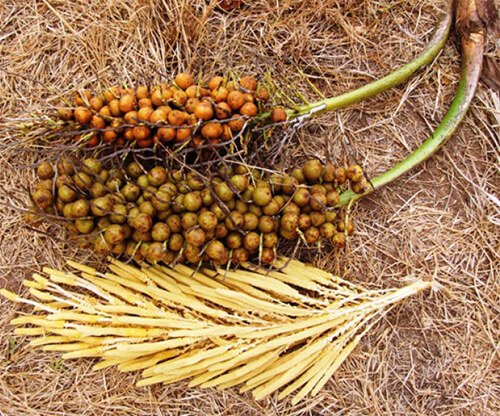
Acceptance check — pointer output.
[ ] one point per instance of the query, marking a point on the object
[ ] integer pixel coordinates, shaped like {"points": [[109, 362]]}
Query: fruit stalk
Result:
{"points": [[473, 35], [395, 78]]}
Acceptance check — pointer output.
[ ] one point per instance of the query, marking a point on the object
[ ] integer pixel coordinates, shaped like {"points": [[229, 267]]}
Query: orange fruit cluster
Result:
{"points": [[182, 111]]}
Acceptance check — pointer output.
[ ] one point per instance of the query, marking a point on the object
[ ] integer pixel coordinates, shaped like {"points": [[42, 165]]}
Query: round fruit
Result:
{"points": [[195, 236], [355, 173], [184, 80], [207, 220], [45, 171], [235, 100], [83, 115], [142, 222], [313, 170], [261, 196], [43, 198], [278, 115], [156, 252], [114, 234], [302, 197], [215, 250]]}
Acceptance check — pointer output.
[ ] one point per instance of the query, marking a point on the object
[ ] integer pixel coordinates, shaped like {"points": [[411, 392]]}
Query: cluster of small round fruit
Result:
{"points": [[177, 113], [166, 215]]}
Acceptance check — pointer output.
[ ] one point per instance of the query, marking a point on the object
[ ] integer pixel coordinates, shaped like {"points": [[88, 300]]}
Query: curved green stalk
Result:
{"points": [[395, 78], [472, 58]]}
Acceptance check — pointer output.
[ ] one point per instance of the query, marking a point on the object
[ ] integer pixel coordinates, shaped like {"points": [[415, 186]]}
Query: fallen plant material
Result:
{"points": [[436, 222], [491, 73], [293, 326]]}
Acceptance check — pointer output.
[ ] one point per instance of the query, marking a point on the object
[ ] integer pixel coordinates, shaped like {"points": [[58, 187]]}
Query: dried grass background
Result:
{"points": [[436, 354]]}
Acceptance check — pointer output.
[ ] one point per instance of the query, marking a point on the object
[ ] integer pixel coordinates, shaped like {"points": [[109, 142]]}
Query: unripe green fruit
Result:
{"points": [[354, 173], [313, 170], [234, 240], [189, 220], [240, 255], [327, 230], [206, 197], [195, 236], [160, 232], [224, 192], [272, 208], [234, 221], [270, 240], [97, 190], [262, 196], [302, 197], [147, 208], [101, 206], [92, 166], [312, 235], [84, 226], [215, 250], [43, 198], [45, 171], [66, 194], [195, 182], [207, 220], [114, 234], [80, 208], [131, 191], [329, 173], [240, 182], [101, 246], [143, 181], [134, 170], [156, 253], [138, 236], [251, 242], [338, 240], [174, 223], [266, 224], [221, 231], [119, 215], [317, 218], [318, 202], [142, 222], [175, 242], [304, 221], [192, 201], [289, 222], [298, 174], [157, 176], [250, 221], [332, 198]]}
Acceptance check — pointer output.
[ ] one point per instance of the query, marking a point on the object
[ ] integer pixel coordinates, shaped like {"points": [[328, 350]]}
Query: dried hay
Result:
{"points": [[435, 354]]}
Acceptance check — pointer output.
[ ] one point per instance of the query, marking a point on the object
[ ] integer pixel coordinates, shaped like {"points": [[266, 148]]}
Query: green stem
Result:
{"points": [[395, 78], [472, 58]]}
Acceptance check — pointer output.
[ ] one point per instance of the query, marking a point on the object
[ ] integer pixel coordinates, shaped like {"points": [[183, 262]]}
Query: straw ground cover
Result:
{"points": [[434, 354]]}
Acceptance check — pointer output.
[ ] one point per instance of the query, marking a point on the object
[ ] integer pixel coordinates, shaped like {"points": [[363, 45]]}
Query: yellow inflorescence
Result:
{"points": [[292, 327]]}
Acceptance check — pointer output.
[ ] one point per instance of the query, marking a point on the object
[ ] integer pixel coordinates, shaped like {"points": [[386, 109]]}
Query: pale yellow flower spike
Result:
{"points": [[288, 328]]}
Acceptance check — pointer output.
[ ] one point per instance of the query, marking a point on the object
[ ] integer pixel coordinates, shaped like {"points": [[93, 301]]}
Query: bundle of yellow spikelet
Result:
{"points": [[291, 327]]}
